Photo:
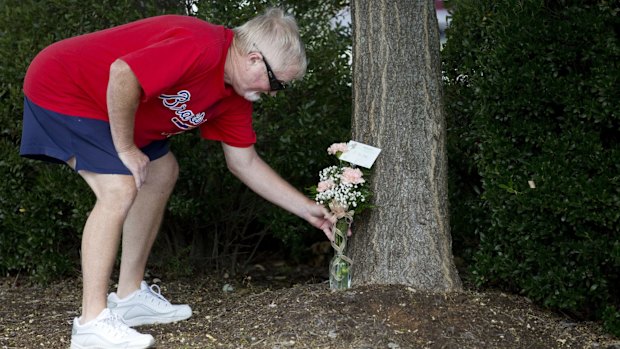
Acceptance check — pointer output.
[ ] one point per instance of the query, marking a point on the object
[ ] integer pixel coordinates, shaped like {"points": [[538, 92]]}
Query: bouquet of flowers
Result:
{"points": [[343, 190]]}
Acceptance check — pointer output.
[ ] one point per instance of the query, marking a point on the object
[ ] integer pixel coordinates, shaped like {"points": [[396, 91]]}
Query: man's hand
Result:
{"points": [[321, 218], [137, 163]]}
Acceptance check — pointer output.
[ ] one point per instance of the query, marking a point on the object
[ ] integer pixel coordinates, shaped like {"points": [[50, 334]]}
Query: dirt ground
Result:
{"points": [[275, 309]]}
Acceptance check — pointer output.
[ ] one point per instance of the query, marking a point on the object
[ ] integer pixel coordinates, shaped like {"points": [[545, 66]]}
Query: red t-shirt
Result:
{"points": [[179, 62]]}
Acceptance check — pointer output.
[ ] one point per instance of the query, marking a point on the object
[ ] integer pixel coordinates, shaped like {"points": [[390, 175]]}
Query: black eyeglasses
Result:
{"points": [[274, 83]]}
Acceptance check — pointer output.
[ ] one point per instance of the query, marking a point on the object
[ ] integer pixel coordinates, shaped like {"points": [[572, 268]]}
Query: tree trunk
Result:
{"points": [[397, 106]]}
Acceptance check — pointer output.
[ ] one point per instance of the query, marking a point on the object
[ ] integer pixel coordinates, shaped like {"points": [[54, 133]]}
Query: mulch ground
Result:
{"points": [[279, 313]]}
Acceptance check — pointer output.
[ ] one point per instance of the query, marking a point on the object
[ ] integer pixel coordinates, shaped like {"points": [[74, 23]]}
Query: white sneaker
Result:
{"points": [[147, 306], [107, 331]]}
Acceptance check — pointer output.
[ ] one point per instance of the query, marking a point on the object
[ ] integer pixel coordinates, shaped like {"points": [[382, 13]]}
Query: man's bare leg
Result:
{"points": [[143, 222], [100, 239]]}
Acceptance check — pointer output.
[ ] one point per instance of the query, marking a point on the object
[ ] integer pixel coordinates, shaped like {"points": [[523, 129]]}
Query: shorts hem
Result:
{"points": [[45, 154]]}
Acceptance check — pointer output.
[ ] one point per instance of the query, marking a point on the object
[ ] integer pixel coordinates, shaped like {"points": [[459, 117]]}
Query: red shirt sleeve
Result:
{"points": [[230, 122]]}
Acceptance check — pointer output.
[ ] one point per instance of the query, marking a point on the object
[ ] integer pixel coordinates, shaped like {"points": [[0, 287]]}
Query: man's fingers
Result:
{"points": [[139, 181], [330, 217], [137, 163], [144, 174], [329, 233]]}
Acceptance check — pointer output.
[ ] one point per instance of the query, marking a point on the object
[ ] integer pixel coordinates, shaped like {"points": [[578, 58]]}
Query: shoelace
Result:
{"points": [[156, 291], [114, 324]]}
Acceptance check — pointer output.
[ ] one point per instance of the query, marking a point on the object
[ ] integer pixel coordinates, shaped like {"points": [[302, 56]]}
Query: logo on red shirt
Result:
{"points": [[184, 118]]}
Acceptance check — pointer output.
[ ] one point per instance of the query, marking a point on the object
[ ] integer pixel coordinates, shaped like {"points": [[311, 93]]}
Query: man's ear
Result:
{"points": [[254, 57]]}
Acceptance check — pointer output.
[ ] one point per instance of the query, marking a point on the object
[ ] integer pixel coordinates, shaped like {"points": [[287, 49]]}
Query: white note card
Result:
{"points": [[360, 154]]}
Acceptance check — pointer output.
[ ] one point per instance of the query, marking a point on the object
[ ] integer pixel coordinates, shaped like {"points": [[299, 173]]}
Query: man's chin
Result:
{"points": [[252, 96]]}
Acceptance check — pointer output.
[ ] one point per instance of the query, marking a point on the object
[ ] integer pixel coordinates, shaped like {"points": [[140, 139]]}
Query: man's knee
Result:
{"points": [[117, 191], [173, 170], [164, 172]]}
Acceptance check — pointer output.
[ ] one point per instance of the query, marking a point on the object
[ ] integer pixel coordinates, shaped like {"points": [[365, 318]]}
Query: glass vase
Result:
{"points": [[340, 265]]}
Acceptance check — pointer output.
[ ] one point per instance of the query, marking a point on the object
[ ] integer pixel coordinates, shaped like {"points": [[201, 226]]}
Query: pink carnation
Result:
{"points": [[352, 175], [337, 147], [325, 185]]}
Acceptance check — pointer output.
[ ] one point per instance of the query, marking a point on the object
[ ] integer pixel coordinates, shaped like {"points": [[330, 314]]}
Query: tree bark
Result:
{"points": [[397, 106]]}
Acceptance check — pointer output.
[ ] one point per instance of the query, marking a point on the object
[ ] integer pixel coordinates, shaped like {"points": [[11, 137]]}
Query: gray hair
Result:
{"points": [[276, 35]]}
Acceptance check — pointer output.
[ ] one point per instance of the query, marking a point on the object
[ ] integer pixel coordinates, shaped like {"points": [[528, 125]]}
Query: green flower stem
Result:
{"points": [[340, 266], [343, 226]]}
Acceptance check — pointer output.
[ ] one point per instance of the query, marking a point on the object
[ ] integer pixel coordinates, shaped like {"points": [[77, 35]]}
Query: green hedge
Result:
{"points": [[212, 219], [534, 146]]}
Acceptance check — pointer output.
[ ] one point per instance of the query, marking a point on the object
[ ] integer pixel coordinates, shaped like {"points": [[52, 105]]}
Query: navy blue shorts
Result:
{"points": [[54, 137]]}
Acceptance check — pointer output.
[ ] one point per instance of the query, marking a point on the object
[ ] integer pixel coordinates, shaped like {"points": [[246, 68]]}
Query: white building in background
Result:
{"points": [[443, 19]]}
